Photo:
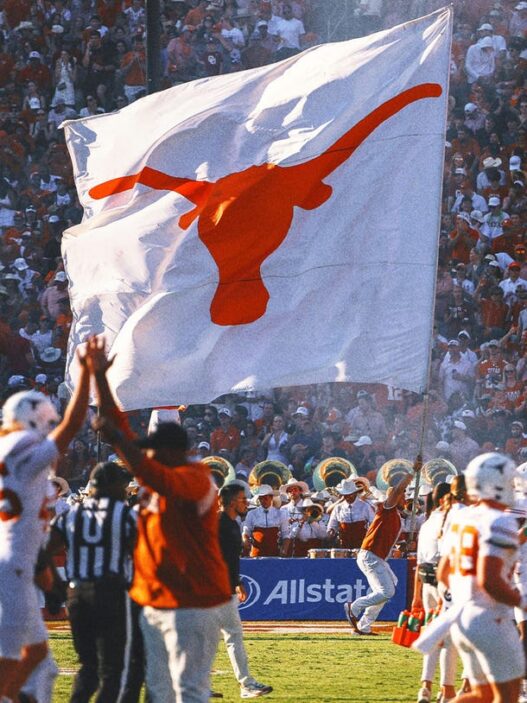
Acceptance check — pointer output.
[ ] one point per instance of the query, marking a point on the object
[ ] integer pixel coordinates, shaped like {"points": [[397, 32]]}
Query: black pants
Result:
{"points": [[134, 664], [98, 625]]}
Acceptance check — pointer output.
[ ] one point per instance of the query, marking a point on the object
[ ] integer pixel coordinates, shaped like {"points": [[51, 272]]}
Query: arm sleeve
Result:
{"points": [[31, 455], [499, 537]]}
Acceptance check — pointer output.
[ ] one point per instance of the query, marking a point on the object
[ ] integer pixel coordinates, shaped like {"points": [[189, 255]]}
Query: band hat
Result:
{"points": [[63, 485], [285, 487], [308, 503], [322, 496], [347, 487], [364, 441], [265, 490], [362, 482]]}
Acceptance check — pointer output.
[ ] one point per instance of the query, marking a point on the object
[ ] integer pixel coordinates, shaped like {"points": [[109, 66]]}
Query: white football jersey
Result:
{"points": [[25, 460], [480, 531]]}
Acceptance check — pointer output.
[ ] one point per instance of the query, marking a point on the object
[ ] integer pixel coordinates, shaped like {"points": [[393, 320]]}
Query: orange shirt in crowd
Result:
{"points": [[229, 439]]}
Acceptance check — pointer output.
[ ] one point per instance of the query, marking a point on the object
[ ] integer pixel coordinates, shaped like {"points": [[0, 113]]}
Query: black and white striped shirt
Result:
{"points": [[99, 535]]}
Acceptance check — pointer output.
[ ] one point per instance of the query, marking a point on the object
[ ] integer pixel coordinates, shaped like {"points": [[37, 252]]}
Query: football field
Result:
{"points": [[313, 662]]}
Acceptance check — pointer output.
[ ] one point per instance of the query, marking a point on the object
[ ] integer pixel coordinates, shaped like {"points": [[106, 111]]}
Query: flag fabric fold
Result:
{"points": [[271, 227]]}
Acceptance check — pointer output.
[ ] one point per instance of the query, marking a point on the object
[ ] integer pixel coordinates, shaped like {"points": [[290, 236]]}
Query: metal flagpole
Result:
{"points": [[412, 531]]}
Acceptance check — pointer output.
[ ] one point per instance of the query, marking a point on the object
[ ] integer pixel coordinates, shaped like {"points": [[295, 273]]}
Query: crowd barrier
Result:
{"points": [[313, 589]]}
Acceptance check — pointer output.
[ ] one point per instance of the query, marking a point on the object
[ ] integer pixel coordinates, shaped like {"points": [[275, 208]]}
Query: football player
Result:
{"points": [[31, 438], [481, 549]]}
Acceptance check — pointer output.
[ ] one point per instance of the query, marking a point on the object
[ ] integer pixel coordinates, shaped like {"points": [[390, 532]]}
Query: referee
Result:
{"points": [[98, 535]]}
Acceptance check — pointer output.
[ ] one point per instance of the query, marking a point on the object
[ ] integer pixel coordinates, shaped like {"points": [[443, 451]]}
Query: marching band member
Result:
{"points": [[426, 597], [308, 533], [295, 491], [350, 517], [481, 549], [265, 527]]}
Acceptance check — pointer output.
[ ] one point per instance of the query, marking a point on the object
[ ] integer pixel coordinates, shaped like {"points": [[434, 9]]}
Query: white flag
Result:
{"points": [[267, 228]]}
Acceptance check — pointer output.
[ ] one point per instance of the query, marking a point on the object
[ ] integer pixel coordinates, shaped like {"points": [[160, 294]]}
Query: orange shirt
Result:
{"points": [[383, 531], [177, 557], [229, 439]]}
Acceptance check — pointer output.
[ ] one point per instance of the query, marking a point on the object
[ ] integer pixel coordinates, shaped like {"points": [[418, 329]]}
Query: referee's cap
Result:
{"points": [[108, 473], [169, 435]]}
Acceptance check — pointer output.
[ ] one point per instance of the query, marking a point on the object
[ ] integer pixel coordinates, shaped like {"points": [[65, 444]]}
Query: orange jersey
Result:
{"points": [[383, 531]]}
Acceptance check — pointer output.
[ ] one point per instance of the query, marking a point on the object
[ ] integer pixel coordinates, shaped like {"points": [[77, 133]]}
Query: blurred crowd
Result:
{"points": [[62, 59]]}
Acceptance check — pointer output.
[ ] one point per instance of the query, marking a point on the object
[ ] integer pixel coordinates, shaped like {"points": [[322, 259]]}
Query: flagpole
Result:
{"points": [[426, 398], [153, 46]]}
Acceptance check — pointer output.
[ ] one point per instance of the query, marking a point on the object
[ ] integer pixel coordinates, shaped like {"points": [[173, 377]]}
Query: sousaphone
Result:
{"points": [[272, 473], [222, 470], [331, 471], [438, 471], [392, 471]]}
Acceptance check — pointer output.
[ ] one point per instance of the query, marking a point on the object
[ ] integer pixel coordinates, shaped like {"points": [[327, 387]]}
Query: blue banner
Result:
{"points": [[311, 589]]}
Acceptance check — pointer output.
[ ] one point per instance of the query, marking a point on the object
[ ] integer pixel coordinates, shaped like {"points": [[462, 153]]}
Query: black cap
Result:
{"points": [[168, 434], [108, 473]]}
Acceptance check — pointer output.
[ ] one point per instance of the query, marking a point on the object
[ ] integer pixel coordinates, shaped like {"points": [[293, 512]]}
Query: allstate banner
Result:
{"points": [[311, 589]]}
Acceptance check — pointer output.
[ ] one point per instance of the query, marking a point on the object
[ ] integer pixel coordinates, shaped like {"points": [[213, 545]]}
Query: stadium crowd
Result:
{"points": [[62, 59], [67, 59]]}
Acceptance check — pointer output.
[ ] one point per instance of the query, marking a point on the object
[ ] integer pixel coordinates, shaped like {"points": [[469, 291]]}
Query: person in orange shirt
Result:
{"points": [[373, 554], [133, 69], [227, 436], [180, 579], [462, 239]]}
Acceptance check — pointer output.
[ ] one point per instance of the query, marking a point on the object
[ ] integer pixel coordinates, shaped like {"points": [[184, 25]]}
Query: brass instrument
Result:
{"points": [[392, 471], [330, 472], [272, 473], [222, 470], [437, 471]]}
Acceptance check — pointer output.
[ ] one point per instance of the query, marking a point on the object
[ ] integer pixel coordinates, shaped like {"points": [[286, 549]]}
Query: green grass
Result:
{"points": [[303, 667]]}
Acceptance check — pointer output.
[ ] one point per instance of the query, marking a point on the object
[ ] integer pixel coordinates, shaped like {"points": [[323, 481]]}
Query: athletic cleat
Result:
{"points": [[369, 633], [215, 694], [255, 689], [424, 695], [351, 619]]}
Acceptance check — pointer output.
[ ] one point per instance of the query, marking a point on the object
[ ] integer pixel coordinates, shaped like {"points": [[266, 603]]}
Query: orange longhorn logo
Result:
{"points": [[245, 216]]}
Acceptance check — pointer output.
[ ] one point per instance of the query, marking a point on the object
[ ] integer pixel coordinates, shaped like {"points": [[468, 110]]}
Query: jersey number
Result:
{"points": [[465, 553], [10, 503]]}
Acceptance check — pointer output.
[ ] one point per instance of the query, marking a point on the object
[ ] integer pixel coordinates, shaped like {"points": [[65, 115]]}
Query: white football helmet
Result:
{"points": [[31, 410], [491, 476]]}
